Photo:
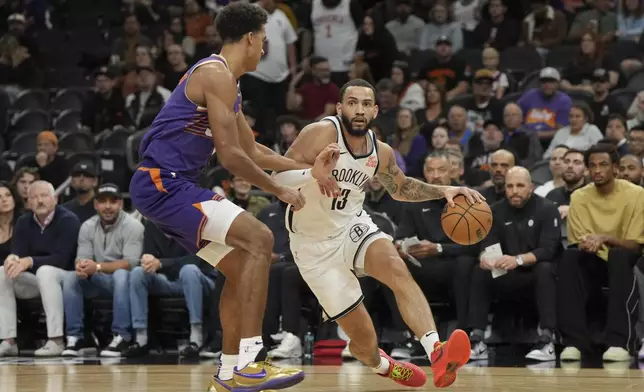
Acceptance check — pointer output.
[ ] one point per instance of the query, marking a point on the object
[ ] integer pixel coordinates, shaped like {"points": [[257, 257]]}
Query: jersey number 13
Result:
{"points": [[339, 203]]}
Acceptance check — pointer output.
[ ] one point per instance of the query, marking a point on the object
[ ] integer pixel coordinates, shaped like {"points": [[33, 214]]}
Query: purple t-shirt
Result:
{"points": [[541, 114]]}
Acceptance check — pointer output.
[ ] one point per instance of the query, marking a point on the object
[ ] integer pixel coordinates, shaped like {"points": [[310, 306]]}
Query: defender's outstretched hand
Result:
{"points": [[321, 171], [470, 194]]}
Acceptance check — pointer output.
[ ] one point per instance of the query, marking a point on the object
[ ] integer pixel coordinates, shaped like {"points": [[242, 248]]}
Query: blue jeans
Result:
{"points": [[116, 285], [191, 284]]}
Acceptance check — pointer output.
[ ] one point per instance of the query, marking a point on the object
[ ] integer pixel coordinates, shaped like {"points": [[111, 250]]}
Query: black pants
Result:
{"points": [[268, 100], [438, 277], [519, 283], [273, 300], [581, 278]]}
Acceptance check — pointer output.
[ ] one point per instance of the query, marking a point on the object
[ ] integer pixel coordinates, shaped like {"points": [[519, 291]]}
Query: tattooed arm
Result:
{"points": [[403, 188], [399, 186]]}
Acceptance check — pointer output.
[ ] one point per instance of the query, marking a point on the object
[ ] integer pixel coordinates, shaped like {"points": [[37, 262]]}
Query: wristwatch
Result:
{"points": [[439, 248], [519, 261]]}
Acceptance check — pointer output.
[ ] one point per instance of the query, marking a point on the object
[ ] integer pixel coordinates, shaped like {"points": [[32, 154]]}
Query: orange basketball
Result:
{"points": [[465, 223]]}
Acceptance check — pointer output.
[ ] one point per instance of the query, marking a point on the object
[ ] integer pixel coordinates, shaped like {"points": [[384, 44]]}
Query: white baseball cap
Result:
{"points": [[550, 73]]}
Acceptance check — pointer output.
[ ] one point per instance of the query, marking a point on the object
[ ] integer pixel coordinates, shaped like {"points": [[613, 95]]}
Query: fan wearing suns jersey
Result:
{"points": [[333, 238], [204, 112]]}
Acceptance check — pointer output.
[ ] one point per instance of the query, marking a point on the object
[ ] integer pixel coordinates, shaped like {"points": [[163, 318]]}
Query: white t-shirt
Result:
{"points": [[334, 34], [279, 34]]}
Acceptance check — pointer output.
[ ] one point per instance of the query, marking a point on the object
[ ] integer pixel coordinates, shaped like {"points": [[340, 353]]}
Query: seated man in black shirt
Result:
{"points": [[167, 270], [445, 69], [574, 177], [526, 227], [500, 162], [444, 266], [84, 180], [482, 106]]}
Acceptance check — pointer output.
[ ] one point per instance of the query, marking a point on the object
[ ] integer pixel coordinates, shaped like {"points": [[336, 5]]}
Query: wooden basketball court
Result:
{"points": [[57, 377]]}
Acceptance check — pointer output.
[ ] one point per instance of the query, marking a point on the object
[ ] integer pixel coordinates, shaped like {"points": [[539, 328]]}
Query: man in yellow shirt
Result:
{"points": [[605, 233]]}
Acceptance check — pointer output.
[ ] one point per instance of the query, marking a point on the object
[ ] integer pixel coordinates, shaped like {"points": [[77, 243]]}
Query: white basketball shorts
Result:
{"points": [[330, 266]]}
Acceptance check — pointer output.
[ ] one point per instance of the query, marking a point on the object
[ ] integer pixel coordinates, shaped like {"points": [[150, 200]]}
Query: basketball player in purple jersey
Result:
{"points": [[204, 109]]}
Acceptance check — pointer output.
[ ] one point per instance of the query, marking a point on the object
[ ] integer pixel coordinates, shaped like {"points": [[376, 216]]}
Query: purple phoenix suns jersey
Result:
{"points": [[179, 139]]}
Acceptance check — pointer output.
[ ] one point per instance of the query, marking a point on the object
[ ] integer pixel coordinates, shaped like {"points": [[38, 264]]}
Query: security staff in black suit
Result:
{"points": [[442, 266], [527, 229]]}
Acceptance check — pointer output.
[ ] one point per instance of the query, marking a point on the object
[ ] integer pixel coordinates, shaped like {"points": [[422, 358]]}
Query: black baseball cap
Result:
{"points": [[86, 168], [443, 39], [105, 71], [601, 76], [108, 190]]}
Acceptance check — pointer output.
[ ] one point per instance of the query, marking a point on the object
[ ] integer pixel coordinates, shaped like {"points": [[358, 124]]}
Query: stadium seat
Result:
{"points": [[512, 97], [561, 56], [636, 81], [418, 59], [521, 60], [530, 81], [115, 140], [31, 99], [71, 76], [26, 160], [132, 148], [24, 142], [583, 96], [30, 120], [541, 172], [76, 141], [621, 50], [473, 58], [5, 105], [458, 100], [113, 168], [68, 120], [624, 98], [66, 99]]}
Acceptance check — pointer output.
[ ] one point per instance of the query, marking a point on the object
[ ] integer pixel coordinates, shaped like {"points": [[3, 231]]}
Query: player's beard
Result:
{"points": [[348, 125]]}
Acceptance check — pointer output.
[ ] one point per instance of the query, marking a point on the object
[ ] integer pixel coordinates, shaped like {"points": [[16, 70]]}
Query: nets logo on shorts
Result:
{"points": [[358, 231]]}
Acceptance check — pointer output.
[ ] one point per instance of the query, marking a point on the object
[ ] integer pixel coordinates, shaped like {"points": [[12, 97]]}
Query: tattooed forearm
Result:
{"points": [[414, 190], [388, 177]]}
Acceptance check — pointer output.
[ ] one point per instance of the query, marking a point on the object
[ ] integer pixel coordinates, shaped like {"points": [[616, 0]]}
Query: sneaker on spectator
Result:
{"points": [[479, 348], [543, 351], [571, 354], [8, 350], [50, 349], [135, 350], [190, 351], [640, 355], [409, 349], [290, 347], [616, 354], [213, 350], [76, 347], [116, 348]]}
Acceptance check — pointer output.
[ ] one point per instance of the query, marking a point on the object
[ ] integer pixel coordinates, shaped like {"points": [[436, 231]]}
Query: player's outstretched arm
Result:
{"points": [[220, 93], [403, 188]]}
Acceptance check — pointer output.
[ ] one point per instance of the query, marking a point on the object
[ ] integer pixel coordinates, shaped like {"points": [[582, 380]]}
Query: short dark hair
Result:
{"points": [[573, 151], [436, 155], [238, 19], [583, 106], [602, 148], [356, 83]]}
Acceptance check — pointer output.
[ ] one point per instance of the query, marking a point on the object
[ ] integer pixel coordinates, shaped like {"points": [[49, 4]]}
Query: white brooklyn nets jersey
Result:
{"points": [[335, 34], [325, 217]]}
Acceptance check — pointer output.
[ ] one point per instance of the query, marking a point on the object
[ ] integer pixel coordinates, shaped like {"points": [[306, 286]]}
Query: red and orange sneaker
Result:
{"points": [[404, 373], [448, 357]]}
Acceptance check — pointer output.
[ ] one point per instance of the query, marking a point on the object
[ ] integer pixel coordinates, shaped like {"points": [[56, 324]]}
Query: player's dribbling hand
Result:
{"points": [[324, 163], [292, 197], [470, 194]]}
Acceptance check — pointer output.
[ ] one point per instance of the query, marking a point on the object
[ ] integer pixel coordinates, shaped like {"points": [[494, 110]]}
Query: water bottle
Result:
{"points": [[309, 345]]}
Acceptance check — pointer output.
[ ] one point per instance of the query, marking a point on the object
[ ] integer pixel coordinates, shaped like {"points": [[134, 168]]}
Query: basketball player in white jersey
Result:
{"points": [[332, 237]]}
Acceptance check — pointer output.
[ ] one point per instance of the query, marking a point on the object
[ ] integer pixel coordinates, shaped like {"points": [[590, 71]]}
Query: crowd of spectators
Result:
{"points": [[539, 104]]}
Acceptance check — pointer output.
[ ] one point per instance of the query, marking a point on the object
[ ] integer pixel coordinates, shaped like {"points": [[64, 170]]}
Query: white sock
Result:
{"points": [[196, 334], [248, 350], [383, 368], [142, 336], [227, 364], [428, 340]]}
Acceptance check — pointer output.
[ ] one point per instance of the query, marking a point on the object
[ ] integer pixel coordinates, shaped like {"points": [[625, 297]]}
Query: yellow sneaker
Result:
{"points": [[259, 376]]}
